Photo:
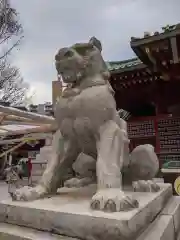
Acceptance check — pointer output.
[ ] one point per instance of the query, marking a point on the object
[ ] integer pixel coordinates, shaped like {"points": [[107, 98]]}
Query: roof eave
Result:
{"points": [[161, 36], [129, 69]]}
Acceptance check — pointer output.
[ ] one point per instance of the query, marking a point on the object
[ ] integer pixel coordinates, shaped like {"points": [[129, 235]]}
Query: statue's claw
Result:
{"points": [[95, 205], [145, 186], [110, 206], [28, 193], [113, 200]]}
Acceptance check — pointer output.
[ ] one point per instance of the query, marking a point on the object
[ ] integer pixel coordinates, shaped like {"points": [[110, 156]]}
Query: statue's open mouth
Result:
{"points": [[70, 77]]}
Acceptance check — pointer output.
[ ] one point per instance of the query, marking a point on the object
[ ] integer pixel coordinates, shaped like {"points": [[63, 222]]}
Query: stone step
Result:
{"points": [[37, 158], [45, 154], [44, 157], [40, 164], [37, 172], [173, 209], [46, 149], [13, 232], [40, 159], [167, 225], [161, 229], [38, 168]]}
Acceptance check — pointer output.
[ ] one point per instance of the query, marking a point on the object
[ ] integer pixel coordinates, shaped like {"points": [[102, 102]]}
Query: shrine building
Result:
{"points": [[148, 87]]}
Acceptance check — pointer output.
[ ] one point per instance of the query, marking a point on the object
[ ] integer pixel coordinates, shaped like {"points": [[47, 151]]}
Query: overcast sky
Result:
{"points": [[50, 25]]}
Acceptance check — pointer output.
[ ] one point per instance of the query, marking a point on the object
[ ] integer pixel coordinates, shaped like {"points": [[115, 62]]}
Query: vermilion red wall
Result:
{"points": [[163, 132]]}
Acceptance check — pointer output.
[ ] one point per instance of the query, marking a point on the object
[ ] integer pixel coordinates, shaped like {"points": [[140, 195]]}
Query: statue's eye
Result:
{"points": [[68, 54]]}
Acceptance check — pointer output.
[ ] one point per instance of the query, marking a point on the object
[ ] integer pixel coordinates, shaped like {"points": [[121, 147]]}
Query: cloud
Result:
{"points": [[41, 92], [50, 25]]}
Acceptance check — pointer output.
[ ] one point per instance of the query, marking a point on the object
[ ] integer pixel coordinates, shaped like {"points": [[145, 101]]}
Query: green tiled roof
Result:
{"points": [[113, 66]]}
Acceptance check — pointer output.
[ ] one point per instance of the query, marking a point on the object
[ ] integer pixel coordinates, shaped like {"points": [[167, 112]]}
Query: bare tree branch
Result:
{"points": [[12, 87], [11, 48], [9, 26]]}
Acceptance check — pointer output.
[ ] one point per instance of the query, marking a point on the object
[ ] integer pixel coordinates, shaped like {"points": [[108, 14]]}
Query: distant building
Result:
{"points": [[48, 109], [33, 108], [44, 109]]}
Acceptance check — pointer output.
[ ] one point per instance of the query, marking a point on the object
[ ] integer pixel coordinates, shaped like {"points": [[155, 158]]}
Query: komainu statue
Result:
{"points": [[92, 139]]}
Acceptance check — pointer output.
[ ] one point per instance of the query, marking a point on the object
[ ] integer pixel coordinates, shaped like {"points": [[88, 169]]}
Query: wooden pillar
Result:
{"points": [[160, 99], [157, 147], [161, 109], [174, 50]]}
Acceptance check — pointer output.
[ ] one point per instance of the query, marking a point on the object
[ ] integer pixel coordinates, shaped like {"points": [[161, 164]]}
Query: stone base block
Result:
{"points": [[69, 214], [167, 225], [173, 209], [14, 232], [161, 229], [178, 237]]}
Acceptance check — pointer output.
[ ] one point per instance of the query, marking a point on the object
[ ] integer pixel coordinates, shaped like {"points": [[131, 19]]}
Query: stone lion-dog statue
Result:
{"points": [[91, 137]]}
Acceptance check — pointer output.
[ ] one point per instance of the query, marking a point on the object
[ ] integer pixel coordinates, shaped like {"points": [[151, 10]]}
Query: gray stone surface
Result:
{"points": [[161, 229], [173, 209], [14, 232], [69, 214], [167, 224], [178, 237]]}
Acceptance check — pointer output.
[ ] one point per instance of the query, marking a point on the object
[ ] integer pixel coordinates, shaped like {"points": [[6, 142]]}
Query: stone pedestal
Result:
{"points": [[167, 224], [68, 213], [14, 232]]}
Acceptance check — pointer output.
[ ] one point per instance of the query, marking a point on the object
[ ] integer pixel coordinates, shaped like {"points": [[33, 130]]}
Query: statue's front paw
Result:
{"points": [[145, 186], [28, 193], [113, 200]]}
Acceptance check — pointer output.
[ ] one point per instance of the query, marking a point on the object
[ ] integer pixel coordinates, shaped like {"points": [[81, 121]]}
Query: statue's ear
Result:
{"points": [[94, 41]]}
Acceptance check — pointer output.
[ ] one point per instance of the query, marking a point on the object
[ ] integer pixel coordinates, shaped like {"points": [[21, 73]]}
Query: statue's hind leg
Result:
{"points": [[110, 147], [85, 170], [143, 167], [65, 153]]}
